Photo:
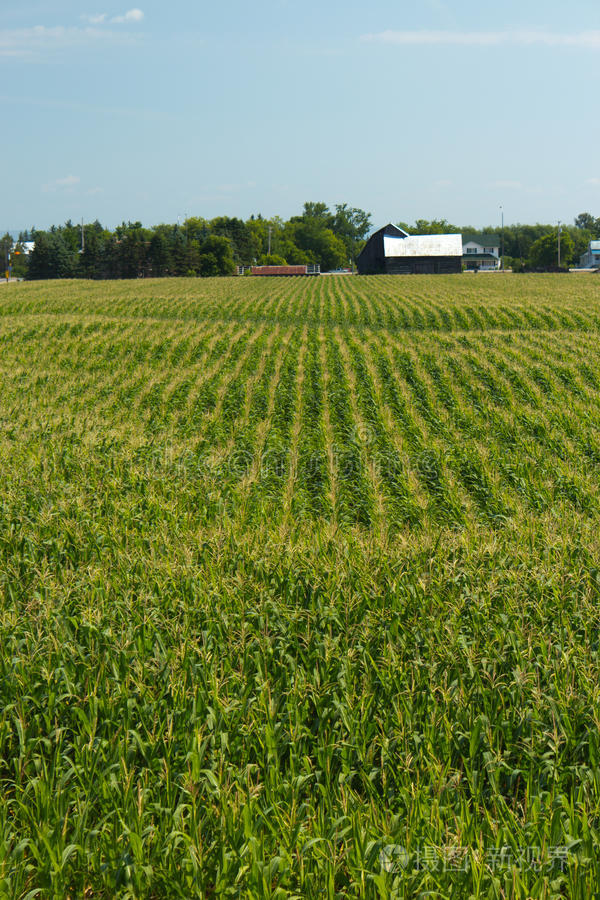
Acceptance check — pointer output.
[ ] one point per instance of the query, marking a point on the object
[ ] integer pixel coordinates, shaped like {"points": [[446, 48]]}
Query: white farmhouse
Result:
{"points": [[481, 251]]}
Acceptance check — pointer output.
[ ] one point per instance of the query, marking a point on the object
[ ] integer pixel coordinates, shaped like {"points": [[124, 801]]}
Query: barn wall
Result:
{"points": [[423, 265], [408, 265], [371, 260]]}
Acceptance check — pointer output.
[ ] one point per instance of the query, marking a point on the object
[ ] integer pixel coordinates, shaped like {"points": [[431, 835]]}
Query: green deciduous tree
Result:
{"points": [[544, 252], [587, 222], [351, 225], [272, 259], [433, 226], [310, 234], [240, 237], [216, 256]]}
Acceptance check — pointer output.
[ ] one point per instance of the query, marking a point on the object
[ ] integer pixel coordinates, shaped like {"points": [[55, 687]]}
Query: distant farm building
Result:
{"points": [[591, 258], [310, 269], [481, 251], [391, 251], [26, 247]]}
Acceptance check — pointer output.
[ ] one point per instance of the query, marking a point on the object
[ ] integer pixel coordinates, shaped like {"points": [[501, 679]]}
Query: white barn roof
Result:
{"points": [[423, 245]]}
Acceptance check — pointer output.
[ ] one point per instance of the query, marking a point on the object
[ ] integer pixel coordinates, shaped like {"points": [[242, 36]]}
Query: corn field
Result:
{"points": [[299, 588]]}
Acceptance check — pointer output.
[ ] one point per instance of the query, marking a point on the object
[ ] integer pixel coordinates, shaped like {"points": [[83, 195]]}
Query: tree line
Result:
{"points": [[197, 246], [333, 238]]}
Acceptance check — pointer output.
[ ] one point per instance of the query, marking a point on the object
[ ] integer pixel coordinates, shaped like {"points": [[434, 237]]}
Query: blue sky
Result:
{"points": [[406, 109]]}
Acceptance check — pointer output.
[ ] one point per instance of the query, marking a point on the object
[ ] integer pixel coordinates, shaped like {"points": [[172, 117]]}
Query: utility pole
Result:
{"points": [[559, 230], [82, 237], [502, 250], [270, 230], [9, 250]]}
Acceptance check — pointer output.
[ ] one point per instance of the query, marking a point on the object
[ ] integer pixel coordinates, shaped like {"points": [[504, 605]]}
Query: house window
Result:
{"points": [[489, 249], [471, 249]]}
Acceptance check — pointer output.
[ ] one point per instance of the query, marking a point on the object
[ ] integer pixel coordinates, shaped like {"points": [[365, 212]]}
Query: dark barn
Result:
{"points": [[391, 251]]}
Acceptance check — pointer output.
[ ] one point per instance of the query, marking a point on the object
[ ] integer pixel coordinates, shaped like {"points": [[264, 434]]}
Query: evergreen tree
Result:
{"points": [[52, 257]]}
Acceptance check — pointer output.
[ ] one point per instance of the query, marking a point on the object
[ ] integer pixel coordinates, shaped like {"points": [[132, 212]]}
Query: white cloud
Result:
{"points": [[132, 15], [68, 183], [593, 182], [97, 19], [519, 37]]}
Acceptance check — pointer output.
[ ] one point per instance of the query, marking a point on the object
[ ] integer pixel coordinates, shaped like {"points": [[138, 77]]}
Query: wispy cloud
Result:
{"points": [[36, 43], [517, 37], [68, 183], [132, 15], [95, 19], [593, 182]]}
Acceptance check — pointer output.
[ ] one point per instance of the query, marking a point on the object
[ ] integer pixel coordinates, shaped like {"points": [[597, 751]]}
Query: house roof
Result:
{"points": [[484, 240], [468, 256], [423, 245]]}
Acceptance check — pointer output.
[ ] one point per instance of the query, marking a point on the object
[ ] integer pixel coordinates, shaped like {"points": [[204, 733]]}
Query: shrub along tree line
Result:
{"points": [[203, 247]]}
